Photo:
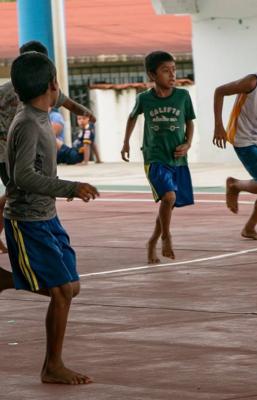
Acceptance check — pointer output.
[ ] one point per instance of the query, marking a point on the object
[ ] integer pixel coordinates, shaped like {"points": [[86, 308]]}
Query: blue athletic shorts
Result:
{"points": [[248, 157], [164, 178], [40, 254], [69, 155]]}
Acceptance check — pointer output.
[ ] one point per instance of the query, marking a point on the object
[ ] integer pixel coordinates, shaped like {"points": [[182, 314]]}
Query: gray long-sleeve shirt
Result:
{"points": [[31, 164]]}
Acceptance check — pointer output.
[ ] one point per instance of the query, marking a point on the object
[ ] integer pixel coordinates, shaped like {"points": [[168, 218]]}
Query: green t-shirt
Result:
{"points": [[164, 128]]}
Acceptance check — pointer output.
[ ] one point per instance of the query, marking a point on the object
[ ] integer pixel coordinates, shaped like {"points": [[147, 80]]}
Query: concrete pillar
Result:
{"points": [[35, 21], [60, 52]]}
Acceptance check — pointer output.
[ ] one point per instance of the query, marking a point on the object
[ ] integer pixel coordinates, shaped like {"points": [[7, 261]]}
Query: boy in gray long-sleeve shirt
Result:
{"points": [[9, 104], [39, 249]]}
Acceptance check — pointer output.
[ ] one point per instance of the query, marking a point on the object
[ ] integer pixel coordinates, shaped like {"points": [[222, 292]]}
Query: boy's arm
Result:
{"points": [[182, 149], [245, 85], [78, 109], [28, 179], [73, 106], [129, 129]]}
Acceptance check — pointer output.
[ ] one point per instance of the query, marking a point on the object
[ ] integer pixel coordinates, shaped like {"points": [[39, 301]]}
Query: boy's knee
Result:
{"points": [[62, 294], [75, 288], [169, 197]]}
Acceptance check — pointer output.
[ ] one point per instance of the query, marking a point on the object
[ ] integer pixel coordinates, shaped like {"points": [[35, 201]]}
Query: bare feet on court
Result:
{"points": [[151, 252], [167, 250], [249, 234], [232, 195], [65, 376]]}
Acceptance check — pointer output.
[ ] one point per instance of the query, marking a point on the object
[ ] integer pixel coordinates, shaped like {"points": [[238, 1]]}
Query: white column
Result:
{"points": [[60, 51]]}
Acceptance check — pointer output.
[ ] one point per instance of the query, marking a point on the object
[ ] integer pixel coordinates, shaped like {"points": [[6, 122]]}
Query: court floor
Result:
{"points": [[180, 330]]}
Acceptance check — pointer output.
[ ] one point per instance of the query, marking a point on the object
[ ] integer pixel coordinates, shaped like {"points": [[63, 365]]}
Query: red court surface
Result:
{"points": [[180, 330]]}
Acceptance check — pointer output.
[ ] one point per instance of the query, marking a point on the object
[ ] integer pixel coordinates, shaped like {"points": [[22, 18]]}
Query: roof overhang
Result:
{"points": [[175, 6], [237, 9]]}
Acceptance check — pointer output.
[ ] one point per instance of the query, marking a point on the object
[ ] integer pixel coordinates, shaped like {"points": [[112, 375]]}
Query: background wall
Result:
{"points": [[112, 108], [224, 49]]}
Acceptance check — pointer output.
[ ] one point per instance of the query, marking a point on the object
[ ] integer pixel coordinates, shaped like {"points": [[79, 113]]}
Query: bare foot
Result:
{"points": [[65, 376], [6, 281], [167, 250], [151, 252], [232, 195], [249, 234]]}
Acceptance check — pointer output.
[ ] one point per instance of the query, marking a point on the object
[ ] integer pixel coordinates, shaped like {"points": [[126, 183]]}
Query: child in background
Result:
{"points": [[85, 140]]}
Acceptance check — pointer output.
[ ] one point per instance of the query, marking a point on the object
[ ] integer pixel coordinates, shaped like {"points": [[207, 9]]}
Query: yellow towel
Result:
{"points": [[232, 123]]}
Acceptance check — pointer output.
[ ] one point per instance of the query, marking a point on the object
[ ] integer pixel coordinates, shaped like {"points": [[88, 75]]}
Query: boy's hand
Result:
{"points": [[181, 150], [85, 191], [125, 152], [220, 137]]}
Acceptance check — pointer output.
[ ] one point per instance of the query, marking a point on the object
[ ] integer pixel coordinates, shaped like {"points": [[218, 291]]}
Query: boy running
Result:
{"points": [[168, 133], [9, 104], [40, 254], [242, 134]]}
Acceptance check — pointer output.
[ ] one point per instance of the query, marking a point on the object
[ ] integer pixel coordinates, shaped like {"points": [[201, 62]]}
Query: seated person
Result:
{"points": [[57, 122], [65, 154], [80, 150], [86, 133]]}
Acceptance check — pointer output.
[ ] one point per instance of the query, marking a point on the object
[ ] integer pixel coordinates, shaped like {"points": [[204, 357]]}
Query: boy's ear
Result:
{"points": [[151, 76], [53, 85]]}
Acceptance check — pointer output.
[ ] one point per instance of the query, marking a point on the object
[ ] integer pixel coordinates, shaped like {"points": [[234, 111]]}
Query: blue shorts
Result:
{"points": [[69, 155], [164, 178], [40, 254], [248, 157]]}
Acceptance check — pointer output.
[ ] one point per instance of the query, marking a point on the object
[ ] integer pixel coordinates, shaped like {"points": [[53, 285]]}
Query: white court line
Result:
{"points": [[171, 264], [149, 191], [152, 201], [116, 200]]}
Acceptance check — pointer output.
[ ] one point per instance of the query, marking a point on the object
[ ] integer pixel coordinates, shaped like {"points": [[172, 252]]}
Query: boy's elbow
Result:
{"points": [[19, 181], [132, 117], [219, 91], [22, 180]]}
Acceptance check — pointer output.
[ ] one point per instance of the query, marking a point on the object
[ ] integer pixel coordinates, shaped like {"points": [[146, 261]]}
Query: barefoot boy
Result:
{"points": [[39, 250], [242, 134], [168, 133], [9, 104]]}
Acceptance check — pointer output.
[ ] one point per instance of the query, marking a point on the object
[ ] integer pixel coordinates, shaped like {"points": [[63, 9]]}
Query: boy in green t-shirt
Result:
{"points": [[168, 132]]}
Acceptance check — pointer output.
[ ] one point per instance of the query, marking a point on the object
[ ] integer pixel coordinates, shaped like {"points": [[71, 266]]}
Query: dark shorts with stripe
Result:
{"points": [[40, 254], [163, 179], [248, 157]]}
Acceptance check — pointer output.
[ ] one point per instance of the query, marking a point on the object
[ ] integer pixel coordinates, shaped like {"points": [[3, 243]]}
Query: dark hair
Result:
{"points": [[33, 45], [31, 73], [156, 58]]}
